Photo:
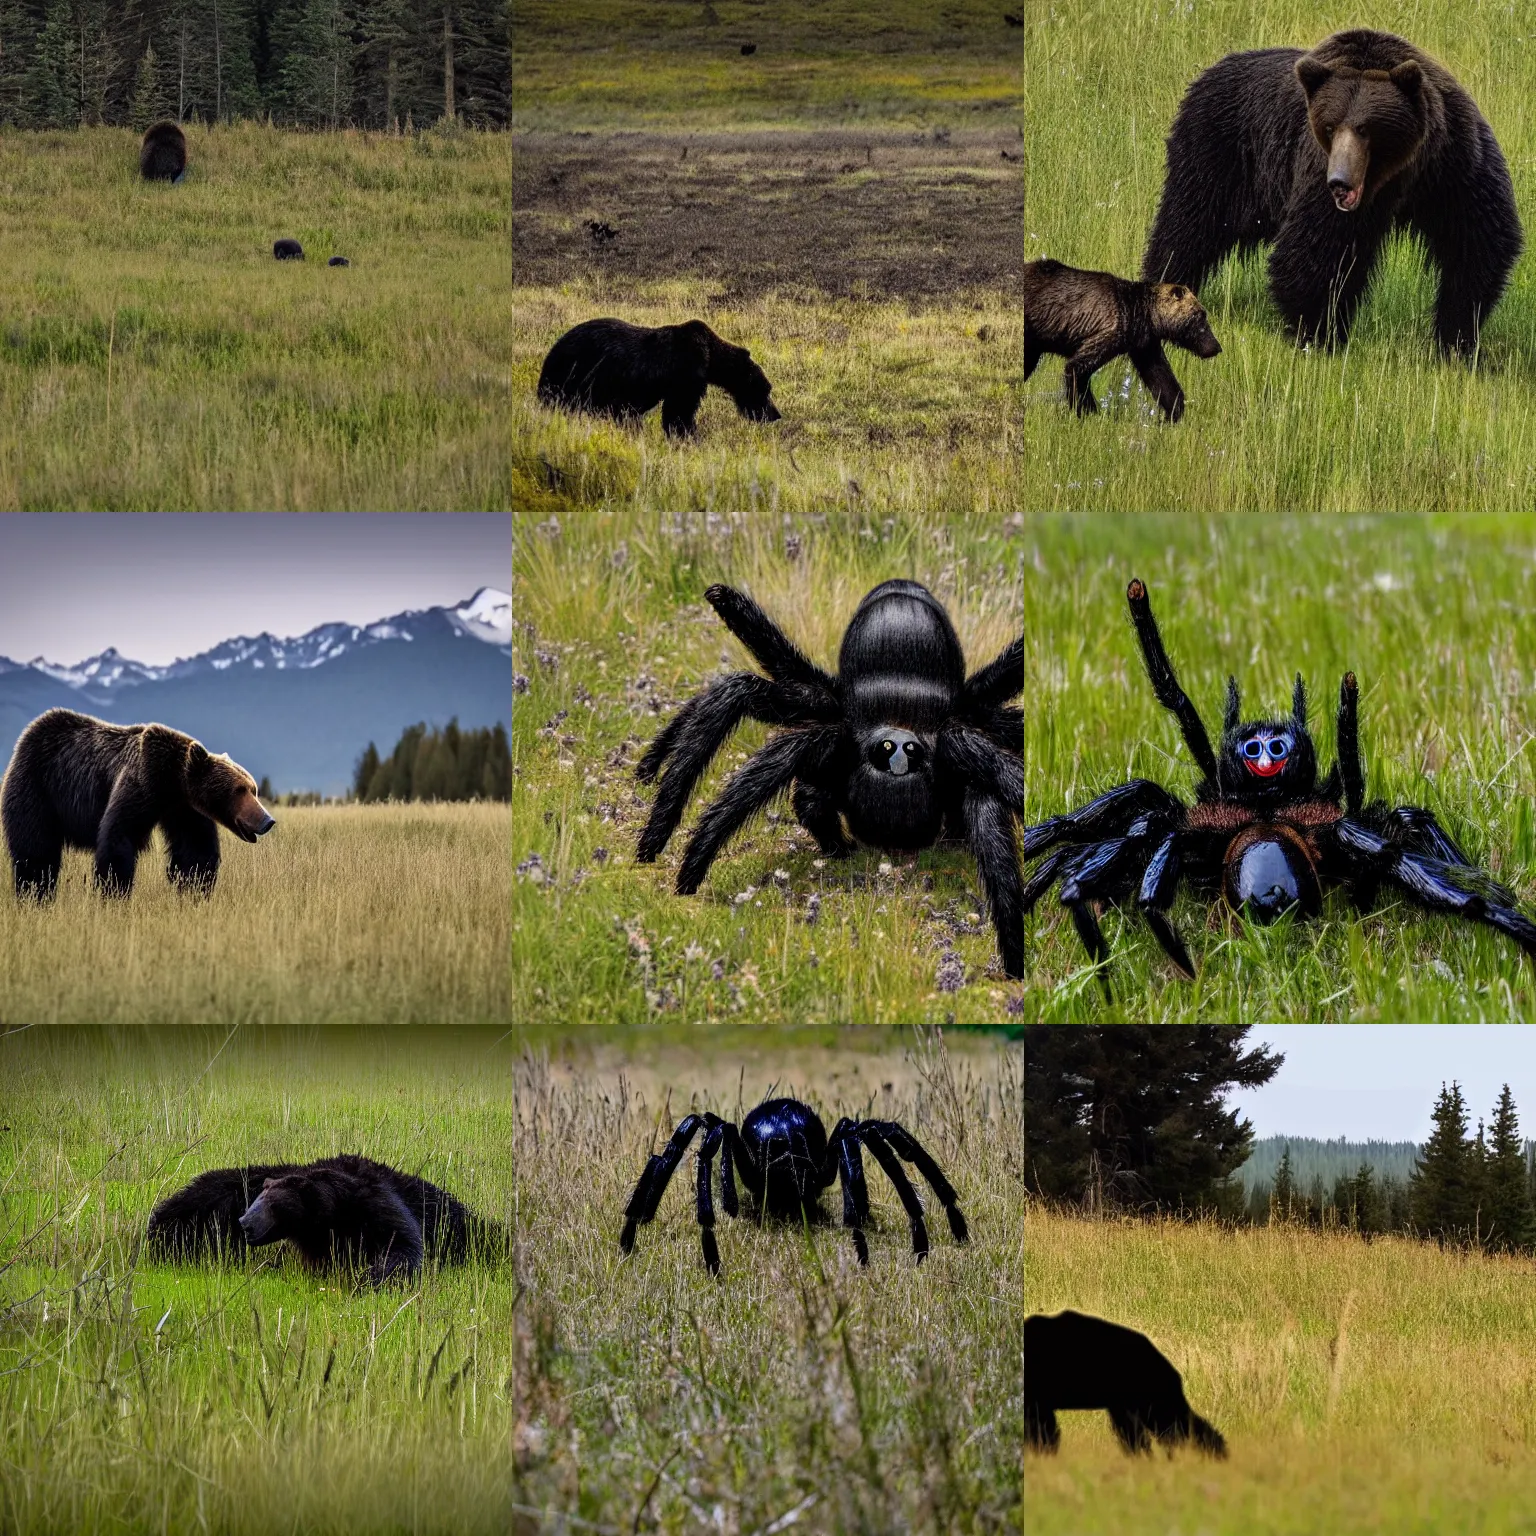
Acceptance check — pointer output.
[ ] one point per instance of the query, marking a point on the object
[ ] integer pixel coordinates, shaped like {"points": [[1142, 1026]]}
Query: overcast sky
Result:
{"points": [[163, 585], [1379, 1081]]}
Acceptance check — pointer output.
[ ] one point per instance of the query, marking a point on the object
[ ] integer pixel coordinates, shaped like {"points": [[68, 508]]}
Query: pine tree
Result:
{"points": [[1442, 1193], [149, 103], [1284, 1198], [362, 774], [1508, 1219]]}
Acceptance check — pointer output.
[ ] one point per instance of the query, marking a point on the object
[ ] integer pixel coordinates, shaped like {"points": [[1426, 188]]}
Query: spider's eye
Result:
{"points": [[1253, 749], [1278, 747], [887, 747]]}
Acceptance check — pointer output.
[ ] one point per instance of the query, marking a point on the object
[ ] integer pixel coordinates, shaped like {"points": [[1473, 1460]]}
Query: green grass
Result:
{"points": [[390, 914], [154, 356], [647, 1396], [138, 1395], [1382, 1387], [1434, 617], [1384, 424], [613, 635]]}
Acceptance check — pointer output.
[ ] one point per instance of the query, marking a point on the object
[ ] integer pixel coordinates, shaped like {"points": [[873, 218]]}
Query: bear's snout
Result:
{"points": [[1349, 158]]}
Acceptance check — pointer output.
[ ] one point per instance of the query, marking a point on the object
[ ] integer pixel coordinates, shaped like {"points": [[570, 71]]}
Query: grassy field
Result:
{"points": [[1432, 614], [1384, 424], [1361, 1388], [154, 356], [846, 202], [138, 1396], [342, 915], [613, 635], [797, 1390]]}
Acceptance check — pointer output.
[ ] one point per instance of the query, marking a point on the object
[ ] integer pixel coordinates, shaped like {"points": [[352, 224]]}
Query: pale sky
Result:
{"points": [[163, 585], [1380, 1081]]}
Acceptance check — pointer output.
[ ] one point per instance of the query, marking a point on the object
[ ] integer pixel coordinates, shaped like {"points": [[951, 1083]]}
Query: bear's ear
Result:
{"points": [[197, 754], [1180, 292], [1408, 77], [267, 1184], [1311, 73]]}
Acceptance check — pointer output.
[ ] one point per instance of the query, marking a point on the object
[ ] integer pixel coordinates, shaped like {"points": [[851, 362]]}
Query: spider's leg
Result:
{"points": [[882, 1154], [1104, 872], [906, 1145], [983, 764], [1350, 772], [728, 1147], [1108, 815], [780, 657], [1006, 727], [1165, 682], [767, 773], [1420, 831], [713, 1138], [1159, 885], [844, 1146], [745, 1164], [997, 682], [816, 811], [1044, 875], [653, 1182], [989, 830]]}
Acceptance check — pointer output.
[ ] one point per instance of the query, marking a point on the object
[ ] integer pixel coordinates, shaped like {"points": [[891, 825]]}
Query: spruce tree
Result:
{"points": [[1284, 1197], [362, 775], [1508, 1219], [1442, 1193]]}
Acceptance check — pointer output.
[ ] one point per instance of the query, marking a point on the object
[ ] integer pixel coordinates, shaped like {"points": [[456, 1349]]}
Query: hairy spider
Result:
{"points": [[785, 1159], [900, 743], [1264, 831]]}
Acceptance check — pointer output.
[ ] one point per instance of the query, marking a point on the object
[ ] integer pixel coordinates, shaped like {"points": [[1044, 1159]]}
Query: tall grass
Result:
{"points": [[1361, 1387], [139, 1395], [1383, 424], [391, 914], [154, 356]]}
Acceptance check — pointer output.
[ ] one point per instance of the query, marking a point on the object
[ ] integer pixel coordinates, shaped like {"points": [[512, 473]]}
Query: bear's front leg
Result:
{"points": [[118, 840], [192, 862], [678, 410], [1155, 372], [1320, 266]]}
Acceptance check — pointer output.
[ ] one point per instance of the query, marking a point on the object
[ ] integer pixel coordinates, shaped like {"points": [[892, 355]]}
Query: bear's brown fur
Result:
{"points": [[163, 154], [75, 781], [1090, 317]]}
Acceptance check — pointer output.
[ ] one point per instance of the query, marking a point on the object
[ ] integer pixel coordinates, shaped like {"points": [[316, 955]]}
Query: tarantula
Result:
{"points": [[785, 1159], [1263, 830], [900, 743]]}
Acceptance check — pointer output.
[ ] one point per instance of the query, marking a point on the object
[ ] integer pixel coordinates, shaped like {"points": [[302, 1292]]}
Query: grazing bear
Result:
{"points": [[288, 250], [163, 153], [1090, 317], [1076, 1361], [338, 261], [612, 368], [78, 782], [1324, 153]]}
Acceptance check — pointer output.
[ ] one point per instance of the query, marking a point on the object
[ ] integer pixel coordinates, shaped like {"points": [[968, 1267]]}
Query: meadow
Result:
{"points": [[343, 914], [846, 202], [1433, 616], [250, 1396], [797, 1390], [1360, 1387], [154, 356], [1382, 424], [612, 635]]}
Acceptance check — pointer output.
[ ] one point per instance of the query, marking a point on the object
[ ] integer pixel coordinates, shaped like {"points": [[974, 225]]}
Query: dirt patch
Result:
{"points": [[883, 213]]}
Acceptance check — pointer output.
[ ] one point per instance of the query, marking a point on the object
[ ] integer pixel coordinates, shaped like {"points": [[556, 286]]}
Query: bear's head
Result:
{"points": [[1178, 316], [293, 1203], [224, 792], [1369, 116], [750, 391]]}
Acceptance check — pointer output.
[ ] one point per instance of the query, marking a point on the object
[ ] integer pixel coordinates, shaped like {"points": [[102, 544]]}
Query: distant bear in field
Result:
{"points": [[1090, 317], [338, 261], [612, 368], [163, 153], [78, 782], [287, 250], [1076, 1361], [1324, 153]]}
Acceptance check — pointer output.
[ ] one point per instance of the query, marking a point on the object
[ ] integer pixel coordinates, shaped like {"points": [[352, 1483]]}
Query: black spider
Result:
{"points": [[1263, 830], [900, 743], [785, 1159]]}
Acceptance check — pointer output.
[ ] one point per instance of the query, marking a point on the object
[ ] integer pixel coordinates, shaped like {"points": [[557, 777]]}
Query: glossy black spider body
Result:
{"points": [[1264, 830], [900, 745], [784, 1156]]}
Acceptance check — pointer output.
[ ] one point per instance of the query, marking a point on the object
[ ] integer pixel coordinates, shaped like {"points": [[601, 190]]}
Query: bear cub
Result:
{"points": [[611, 368], [1090, 317], [78, 782], [1073, 1360], [163, 153]]}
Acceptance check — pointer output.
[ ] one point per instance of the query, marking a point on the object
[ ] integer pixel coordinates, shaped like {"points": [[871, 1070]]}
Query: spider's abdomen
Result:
{"points": [[901, 662], [1269, 868], [790, 1144]]}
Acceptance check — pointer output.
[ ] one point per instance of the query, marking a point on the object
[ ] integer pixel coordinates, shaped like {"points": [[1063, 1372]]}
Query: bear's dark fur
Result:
{"points": [[163, 153], [1323, 153], [1090, 317], [1076, 1361], [612, 368], [287, 250], [78, 782], [338, 261]]}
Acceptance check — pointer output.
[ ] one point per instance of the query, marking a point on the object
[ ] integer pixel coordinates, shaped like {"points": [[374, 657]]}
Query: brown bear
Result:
{"points": [[75, 781], [1324, 154], [163, 153], [612, 368], [1090, 317]]}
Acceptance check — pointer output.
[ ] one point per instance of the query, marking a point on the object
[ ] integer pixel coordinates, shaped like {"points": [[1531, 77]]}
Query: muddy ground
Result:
{"points": [[879, 213]]}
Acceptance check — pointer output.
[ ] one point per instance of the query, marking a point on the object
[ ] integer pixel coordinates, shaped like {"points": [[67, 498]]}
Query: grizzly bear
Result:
{"points": [[287, 250], [75, 781], [612, 368], [1076, 1361], [1090, 317], [1323, 154], [163, 153]]}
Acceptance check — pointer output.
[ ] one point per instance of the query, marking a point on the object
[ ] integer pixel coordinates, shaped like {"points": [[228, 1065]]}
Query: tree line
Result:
{"points": [[379, 64], [447, 764]]}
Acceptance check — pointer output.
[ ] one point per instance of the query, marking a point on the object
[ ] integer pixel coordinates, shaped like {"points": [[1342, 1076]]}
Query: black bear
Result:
{"points": [[612, 368], [78, 782], [1090, 317], [287, 250], [1076, 1361], [163, 153], [1324, 153]]}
